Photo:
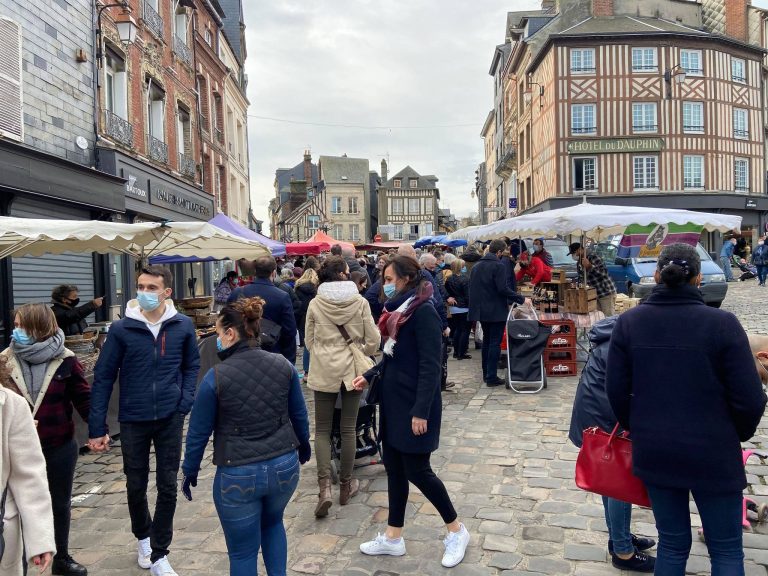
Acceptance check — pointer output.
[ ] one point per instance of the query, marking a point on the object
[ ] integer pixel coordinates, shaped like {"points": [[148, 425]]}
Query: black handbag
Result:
{"points": [[2, 522], [373, 395]]}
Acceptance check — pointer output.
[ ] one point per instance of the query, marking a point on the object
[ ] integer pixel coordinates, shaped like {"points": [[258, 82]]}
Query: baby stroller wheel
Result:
{"points": [[762, 513], [334, 472]]}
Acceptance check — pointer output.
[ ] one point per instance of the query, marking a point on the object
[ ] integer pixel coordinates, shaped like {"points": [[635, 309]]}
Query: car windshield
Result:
{"points": [[560, 255], [699, 250]]}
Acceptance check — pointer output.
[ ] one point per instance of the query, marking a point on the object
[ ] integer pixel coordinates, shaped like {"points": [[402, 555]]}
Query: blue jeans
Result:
{"points": [[721, 518], [250, 500], [618, 515], [305, 361], [725, 263], [762, 272], [493, 332]]}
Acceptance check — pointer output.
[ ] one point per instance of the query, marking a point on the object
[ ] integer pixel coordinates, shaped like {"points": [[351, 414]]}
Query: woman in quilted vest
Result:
{"points": [[338, 318], [257, 460], [51, 379]]}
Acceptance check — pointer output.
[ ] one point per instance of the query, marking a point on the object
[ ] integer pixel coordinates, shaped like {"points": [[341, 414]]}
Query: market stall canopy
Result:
{"points": [[304, 248], [228, 225], [444, 240], [593, 221], [381, 245], [35, 237], [327, 241]]}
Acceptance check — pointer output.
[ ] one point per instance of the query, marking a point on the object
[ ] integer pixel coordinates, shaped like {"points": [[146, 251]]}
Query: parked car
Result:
{"points": [[634, 276]]}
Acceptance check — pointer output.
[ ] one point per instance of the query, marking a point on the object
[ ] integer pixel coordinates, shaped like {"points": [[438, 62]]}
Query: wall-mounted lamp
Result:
{"points": [[528, 93], [127, 29], [676, 73]]}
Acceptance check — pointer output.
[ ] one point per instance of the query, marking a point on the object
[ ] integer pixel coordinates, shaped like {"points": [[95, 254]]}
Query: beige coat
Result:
{"points": [[337, 303], [22, 469]]}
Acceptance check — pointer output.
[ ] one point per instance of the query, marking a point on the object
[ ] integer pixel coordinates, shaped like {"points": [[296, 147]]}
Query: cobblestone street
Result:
{"points": [[504, 457]]}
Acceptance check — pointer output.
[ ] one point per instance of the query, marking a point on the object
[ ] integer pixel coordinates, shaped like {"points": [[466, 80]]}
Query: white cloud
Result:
{"points": [[400, 63]]}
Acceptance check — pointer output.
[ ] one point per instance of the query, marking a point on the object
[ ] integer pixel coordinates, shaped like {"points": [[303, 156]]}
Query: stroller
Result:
{"points": [[526, 339], [367, 442]]}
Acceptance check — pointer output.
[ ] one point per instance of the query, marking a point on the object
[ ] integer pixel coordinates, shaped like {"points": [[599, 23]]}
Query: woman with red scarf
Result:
{"points": [[411, 406]]}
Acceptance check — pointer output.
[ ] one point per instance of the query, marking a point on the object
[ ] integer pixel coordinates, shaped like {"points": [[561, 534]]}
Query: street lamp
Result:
{"points": [[528, 93], [676, 73], [127, 28]]}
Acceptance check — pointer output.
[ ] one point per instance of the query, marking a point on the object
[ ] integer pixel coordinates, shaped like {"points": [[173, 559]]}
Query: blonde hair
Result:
{"points": [[310, 276], [38, 320], [457, 265]]}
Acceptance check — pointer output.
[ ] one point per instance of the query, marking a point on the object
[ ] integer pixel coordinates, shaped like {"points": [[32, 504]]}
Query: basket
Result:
{"points": [[81, 344], [199, 302]]}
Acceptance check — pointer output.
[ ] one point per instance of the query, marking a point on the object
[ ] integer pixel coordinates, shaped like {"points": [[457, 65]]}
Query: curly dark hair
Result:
{"points": [[244, 316]]}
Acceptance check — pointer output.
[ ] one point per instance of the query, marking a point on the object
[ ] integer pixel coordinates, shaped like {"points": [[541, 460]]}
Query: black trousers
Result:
{"points": [[60, 464], [136, 439], [403, 468], [460, 329]]}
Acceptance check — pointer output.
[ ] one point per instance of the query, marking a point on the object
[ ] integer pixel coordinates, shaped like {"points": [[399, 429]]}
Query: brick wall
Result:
{"points": [[57, 90], [736, 19], [602, 7]]}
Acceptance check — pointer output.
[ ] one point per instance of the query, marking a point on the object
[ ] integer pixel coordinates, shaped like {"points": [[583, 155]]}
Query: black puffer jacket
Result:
{"points": [[457, 286], [591, 406], [305, 293]]}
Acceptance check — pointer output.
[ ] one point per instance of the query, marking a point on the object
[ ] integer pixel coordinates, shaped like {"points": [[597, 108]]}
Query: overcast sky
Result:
{"points": [[411, 76]]}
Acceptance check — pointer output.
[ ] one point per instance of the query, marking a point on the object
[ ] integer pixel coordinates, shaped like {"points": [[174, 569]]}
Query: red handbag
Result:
{"points": [[604, 466]]}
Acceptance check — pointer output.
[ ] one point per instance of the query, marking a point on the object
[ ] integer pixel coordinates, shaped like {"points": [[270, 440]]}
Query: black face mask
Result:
{"points": [[74, 302]]}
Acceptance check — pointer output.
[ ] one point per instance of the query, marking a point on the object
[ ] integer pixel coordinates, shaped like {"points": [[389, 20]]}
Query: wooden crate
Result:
{"points": [[581, 300], [559, 276], [558, 288]]}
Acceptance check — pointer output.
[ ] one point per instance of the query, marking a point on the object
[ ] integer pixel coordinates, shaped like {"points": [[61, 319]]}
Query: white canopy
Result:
{"points": [[593, 221], [35, 237]]}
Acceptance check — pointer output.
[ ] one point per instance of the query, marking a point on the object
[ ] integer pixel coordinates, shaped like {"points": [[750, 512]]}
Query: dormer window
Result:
{"points": [[398, 183], [413, 183]]}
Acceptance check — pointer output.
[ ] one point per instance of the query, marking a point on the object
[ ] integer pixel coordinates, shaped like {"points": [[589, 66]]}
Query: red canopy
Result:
{"points": [[304, 248], [327, 241]]}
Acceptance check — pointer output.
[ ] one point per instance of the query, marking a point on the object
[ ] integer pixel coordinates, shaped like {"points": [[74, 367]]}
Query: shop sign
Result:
{"points": [[616, 145], [131, 189], [751, 204], [179, 202]]}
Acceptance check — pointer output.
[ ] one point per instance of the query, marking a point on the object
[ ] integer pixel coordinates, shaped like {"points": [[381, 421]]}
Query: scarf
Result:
{"points": [[34, 358], [397, 312]]}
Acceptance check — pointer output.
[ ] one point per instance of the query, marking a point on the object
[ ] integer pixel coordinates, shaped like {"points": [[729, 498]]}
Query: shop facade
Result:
{"points": [[34, 184], [151, 195]]}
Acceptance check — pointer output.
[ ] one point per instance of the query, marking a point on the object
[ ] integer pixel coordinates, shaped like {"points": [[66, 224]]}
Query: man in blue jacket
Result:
{"points": [[726, 253], [489, 299], [278, 307], [154, 351]]}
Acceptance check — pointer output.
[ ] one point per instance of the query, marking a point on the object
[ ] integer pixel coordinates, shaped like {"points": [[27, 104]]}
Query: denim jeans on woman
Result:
{"points": [[618, 516], [250, 501], [721, 519]]}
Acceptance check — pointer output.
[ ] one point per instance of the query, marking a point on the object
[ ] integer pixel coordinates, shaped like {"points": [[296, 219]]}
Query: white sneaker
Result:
{"points": [[162, 568], [144, 553], [455, 547], [382, 545]]}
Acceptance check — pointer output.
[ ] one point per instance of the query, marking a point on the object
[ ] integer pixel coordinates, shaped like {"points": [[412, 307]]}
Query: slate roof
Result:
{"points": [[425, 182], [284, 176], [344, 170], [628, 25], [233, 21]]}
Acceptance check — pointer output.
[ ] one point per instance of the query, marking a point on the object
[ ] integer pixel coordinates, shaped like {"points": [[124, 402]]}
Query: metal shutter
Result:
{"points": [[34, 278], [11, 124]]}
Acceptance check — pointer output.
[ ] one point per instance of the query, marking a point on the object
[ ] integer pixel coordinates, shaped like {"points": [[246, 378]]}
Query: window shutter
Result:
{"points": [[11, 124]]}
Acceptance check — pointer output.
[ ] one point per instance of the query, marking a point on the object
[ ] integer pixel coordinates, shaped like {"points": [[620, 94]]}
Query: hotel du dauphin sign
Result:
{"points": [[616, 145]]}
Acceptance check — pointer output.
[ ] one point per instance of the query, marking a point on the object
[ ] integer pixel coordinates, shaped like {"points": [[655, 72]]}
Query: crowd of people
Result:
{"points": [[373, 331]]}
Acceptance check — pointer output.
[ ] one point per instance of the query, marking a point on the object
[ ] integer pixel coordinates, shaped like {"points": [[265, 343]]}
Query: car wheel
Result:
{"points": [[715, 304]]}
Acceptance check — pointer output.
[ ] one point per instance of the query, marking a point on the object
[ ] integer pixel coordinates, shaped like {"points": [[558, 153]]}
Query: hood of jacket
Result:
{"points": [[339, 300], [601, 331], [133, 311], [307, 288]]}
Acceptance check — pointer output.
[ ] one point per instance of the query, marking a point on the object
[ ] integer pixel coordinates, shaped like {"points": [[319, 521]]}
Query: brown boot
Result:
{"points": [[324, 498], [347, 489]]}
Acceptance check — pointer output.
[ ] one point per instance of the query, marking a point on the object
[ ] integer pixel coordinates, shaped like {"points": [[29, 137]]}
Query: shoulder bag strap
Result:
{"points": [[344, 334]]}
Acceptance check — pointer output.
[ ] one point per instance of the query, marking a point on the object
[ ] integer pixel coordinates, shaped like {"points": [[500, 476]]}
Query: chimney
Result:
{"points": [[736, 19], [383, 171], [308, 167], [603, 8]]}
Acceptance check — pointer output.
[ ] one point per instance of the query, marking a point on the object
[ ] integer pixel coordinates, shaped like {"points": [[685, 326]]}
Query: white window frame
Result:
{"points": [[336, 204], [181, 140], [428, 229], [428, 206], [208, 37], [690, 180], [338, 231], [414, 205], [352, 204], [647, 168], [579, 112], [643, 112], [397, 234], [582, 61], [691, 109], [313, 223], [641, 62], [413, 183], [398, 183], [582, 190], [398, 206], [115, 85], [741, 123], [354, 232], [180, 25], [156, 113], [741, 174], [686, 55], [739, 70]]}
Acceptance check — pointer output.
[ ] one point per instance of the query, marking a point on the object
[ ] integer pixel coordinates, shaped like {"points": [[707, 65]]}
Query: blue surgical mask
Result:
{"points": [[21, 336], [389, 290], [463, 269], [148, 301], [219, 346]]}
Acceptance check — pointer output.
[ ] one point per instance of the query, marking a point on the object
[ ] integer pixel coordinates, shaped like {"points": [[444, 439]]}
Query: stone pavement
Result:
{"points": [[505, 459]]}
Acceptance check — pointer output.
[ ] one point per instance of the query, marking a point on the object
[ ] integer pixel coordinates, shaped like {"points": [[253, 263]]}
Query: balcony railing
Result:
{"points": [[118, 129], [186, 165], [507, 163], [158, 150], [743, 134], [152, 19], [181, 50]]}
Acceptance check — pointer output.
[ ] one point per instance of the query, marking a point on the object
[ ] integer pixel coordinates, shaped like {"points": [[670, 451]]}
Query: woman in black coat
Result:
{"points": [[411, 406], [306, 290], [457, 287], [681, 378]]}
